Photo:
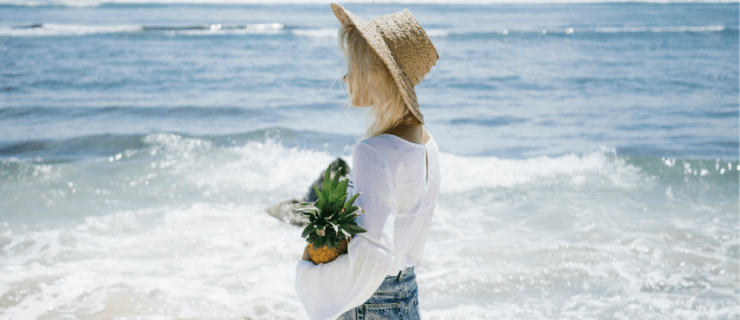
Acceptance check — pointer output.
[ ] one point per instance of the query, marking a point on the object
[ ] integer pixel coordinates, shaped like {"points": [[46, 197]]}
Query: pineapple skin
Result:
{"points": [[325, 254]]}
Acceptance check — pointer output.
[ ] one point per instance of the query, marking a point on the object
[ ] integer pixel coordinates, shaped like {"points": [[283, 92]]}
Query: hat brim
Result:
{"points": [[369, 31]]}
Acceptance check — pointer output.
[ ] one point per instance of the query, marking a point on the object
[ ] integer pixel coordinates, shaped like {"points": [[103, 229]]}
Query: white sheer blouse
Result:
{"points": [[399, 194]]}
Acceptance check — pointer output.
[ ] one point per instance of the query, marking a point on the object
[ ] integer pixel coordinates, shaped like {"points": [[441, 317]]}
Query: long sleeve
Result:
{"points": [[328, 290]]}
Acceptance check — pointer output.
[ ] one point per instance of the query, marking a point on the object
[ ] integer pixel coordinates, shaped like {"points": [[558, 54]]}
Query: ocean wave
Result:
{"points": [[204, 256], [317, 33], [159, 112], [52, 29], [94, 3], [155, 224], [154, 260], [472, 173], [115, 146], [276, 157], [715, 28], [439, 33], [49, 29]]}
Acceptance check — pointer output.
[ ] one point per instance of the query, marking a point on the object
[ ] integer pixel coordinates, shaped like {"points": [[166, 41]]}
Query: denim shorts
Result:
{"points": [[397, 298]]}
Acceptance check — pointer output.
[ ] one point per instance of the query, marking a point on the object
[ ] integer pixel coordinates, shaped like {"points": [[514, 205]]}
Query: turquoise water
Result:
{"points": [[589, 158]]}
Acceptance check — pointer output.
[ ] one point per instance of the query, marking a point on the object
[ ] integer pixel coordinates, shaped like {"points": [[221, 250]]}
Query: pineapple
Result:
{"points": [[331, 220]]}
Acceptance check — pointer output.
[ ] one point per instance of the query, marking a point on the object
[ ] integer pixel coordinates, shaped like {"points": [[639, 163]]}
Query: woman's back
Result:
{"points": [[414, 169]]}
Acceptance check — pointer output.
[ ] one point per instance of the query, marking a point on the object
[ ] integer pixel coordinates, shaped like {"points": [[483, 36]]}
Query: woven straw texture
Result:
{"points": [[402, 44]]}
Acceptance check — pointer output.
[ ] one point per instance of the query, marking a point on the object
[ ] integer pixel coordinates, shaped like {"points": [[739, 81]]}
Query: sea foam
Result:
{"points": [[574, 229], [469, 173]]}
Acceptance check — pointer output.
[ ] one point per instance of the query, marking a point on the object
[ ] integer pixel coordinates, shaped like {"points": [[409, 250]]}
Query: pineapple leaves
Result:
{"points": [[309, 228], [319, 242], [326, 184], [349, 203], [332, 216], [336, 227], [307, 209], [318, 193], [335, 181], [353, 228], [347, 219], [341, 189], [321, 198]]}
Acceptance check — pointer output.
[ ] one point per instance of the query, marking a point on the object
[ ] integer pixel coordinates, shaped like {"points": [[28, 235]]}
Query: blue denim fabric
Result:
{"points": [[397, 298]]}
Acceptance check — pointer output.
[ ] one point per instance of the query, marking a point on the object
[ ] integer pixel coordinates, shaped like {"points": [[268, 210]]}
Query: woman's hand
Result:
{"points": [[306, 256]]}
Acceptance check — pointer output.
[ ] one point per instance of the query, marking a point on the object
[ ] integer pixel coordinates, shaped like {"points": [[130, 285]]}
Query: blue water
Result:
{"points": [[646, 79], [590, 157]]}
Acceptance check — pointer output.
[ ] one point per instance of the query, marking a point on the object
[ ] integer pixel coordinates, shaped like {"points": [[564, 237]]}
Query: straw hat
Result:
{"points": [[402, 44]]}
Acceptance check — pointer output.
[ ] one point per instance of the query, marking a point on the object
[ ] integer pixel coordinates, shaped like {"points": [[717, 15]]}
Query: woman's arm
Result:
{"points": [[328, 290], [306, 255]]}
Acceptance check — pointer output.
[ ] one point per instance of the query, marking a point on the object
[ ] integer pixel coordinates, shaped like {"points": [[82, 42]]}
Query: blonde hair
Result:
{"points": [[370, 84]]}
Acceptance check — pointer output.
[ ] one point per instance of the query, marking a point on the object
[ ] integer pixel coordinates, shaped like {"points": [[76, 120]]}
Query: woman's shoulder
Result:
{"points": [[373, 147], [391, 148], [384, 145], [386, 139]]}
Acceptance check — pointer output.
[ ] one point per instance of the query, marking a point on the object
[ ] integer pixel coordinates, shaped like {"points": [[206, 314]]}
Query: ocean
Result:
{"points": [[589, 157]]}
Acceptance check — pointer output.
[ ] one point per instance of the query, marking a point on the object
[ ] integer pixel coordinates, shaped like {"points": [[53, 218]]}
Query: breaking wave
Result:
{"points": [[51, 29]]}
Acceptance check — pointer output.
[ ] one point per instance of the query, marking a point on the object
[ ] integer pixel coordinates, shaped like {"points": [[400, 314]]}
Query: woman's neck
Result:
{"points": [[410, 132]]}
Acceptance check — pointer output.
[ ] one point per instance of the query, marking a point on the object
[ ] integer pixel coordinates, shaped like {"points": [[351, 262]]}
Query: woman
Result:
{"points": [[395, 169]]}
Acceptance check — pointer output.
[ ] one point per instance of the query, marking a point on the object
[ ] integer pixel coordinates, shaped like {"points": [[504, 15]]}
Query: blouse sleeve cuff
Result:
{"points": [[302, 264]]}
